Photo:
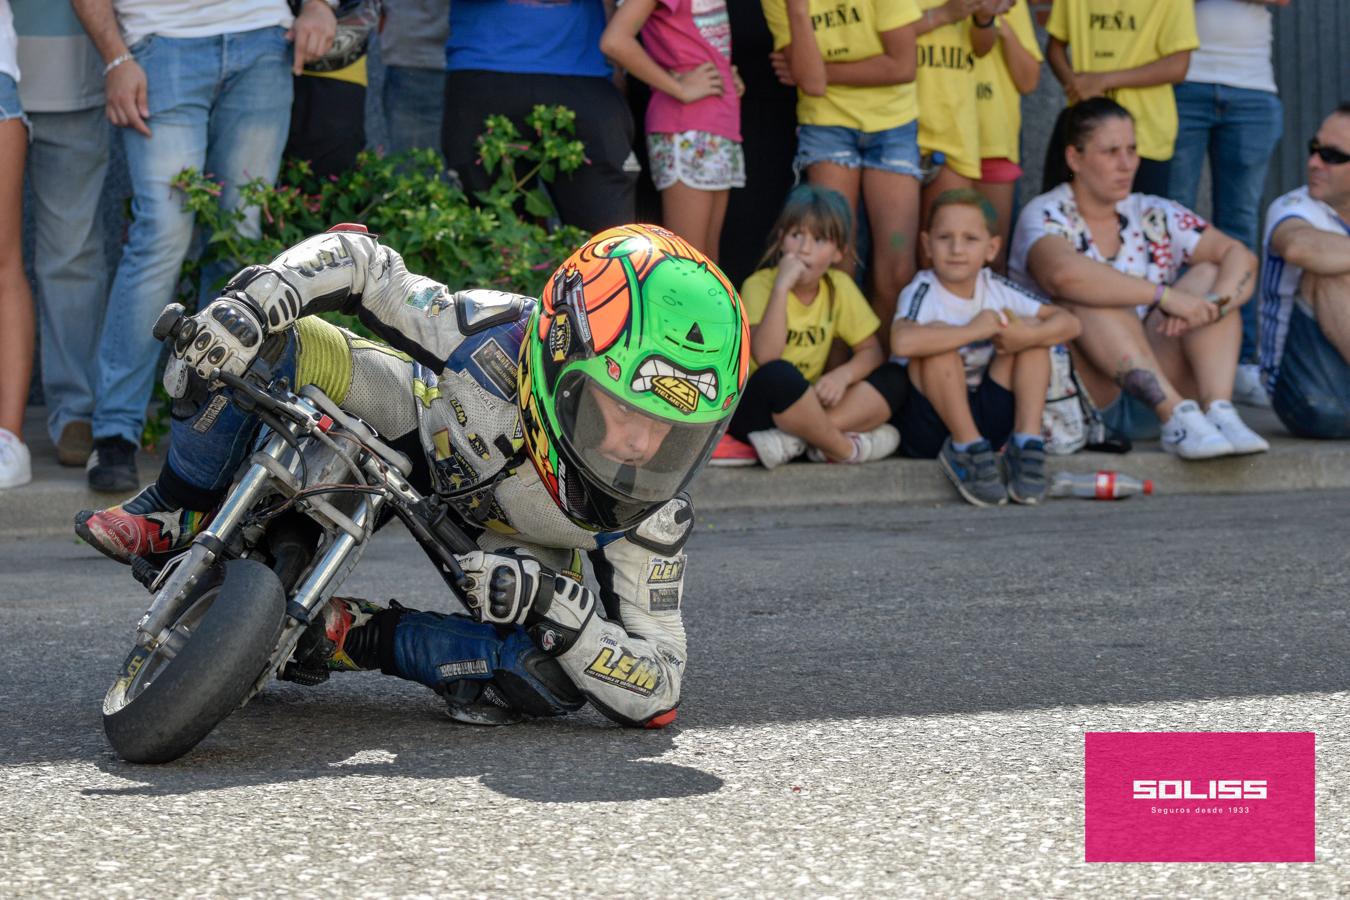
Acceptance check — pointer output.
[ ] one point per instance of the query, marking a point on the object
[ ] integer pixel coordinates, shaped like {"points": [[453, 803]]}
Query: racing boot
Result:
{"points": [[145, 525], [324, 647]]}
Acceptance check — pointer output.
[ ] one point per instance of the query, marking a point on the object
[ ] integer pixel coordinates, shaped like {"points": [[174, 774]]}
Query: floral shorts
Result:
{"points": [[708, 162]]}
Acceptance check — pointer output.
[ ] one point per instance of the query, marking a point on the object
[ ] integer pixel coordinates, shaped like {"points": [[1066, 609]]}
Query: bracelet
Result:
{"points": [[125, 57], [1159, 294], [979, 24]]}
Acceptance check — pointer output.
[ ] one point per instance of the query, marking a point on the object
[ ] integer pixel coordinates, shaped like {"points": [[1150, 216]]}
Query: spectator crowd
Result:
{"points": [[905, 299]]}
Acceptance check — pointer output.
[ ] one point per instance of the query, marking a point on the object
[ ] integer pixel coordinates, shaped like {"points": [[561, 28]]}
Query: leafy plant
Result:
{"points": [[506, 237]]}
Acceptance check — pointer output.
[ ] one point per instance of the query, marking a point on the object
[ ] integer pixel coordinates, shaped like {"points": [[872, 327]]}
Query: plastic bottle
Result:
{"points": [[1104, 485]]}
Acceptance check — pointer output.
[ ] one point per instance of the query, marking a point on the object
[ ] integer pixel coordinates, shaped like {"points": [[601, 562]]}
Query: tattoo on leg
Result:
{"points": [[1142, 384]]}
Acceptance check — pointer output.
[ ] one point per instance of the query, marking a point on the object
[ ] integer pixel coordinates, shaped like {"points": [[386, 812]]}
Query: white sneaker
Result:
{"points": [[1249, 388], [1224, 417], [1190, 435], [878, 443], [774, 446], [16, 464]]}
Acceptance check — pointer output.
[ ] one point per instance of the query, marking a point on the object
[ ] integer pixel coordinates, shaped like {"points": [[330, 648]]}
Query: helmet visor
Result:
{"points": [[627, 452]]}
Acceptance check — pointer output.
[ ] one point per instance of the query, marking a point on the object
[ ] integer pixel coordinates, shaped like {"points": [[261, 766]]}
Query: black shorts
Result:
{"points": [[922, 430], [770, 389], [891, 381]]}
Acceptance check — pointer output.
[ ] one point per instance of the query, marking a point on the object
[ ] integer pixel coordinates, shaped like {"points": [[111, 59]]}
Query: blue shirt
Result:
{"points": [[538, 37]]}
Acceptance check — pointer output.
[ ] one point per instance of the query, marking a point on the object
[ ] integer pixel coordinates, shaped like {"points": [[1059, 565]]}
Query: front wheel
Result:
{"points": [[167, 699]]}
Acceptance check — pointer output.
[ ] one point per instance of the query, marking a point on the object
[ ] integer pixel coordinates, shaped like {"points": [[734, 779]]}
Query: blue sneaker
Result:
{"points": [[1025, 467], [974, 472]]}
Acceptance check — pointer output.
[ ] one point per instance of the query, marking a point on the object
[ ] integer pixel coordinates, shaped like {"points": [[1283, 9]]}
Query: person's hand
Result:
{"points": [[989, 322], [1085, 85], [127, 90], [738, 81], [830, 387], [226, 335], [502, 587], [790, 270], [1017, 336], [1183, 311], [312, 33], [956, 10], [782, 69], [699, 82]]}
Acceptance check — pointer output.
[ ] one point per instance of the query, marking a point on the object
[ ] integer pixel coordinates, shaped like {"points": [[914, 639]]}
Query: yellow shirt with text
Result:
{"points": [[996, 97], [1109, 35], [947, 118], [839, 311], [850, 31]]}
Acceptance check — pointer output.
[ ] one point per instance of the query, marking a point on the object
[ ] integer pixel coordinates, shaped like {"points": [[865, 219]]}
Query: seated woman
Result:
{"points": [[1154, 340]]}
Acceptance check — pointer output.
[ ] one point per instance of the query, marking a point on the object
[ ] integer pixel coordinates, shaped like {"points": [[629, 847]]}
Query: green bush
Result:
{"points": [[500, 239]]}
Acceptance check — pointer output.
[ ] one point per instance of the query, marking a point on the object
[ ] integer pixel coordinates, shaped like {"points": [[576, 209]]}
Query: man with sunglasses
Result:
{"points": [[1305, 291]]}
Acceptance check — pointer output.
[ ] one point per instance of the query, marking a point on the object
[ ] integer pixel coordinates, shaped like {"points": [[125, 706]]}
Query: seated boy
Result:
{"points": [[977, 348]]}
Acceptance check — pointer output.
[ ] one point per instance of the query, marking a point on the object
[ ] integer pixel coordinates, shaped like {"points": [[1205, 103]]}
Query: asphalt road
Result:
{"points": [[881, 701]]}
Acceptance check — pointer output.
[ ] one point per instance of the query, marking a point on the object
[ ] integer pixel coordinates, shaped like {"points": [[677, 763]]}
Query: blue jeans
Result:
{"points": [[223, 105], [1312, 390], [1238, 129], [414, 101], [207, 443], [67, 162]]}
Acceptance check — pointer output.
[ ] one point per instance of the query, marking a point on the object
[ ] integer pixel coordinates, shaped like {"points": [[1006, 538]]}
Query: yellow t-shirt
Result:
{"points": [[947, 117], [839, 310], [1108, 35], [849, 31], [996, 97]]}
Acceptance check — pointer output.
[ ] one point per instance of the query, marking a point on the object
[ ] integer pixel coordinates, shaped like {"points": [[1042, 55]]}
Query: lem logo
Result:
{"points": [[1223, 789]]}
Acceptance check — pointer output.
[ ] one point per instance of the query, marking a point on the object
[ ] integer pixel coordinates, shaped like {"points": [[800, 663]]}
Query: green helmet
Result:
{"points": [[630, 370]]}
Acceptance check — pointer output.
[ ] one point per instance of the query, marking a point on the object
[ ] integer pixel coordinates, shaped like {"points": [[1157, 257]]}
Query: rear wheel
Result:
{"points": [[167, 699]]}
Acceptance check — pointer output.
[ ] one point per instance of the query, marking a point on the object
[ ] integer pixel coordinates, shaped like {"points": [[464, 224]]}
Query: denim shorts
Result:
{"points": [[893, 150], [1129, 417], [1312, 392], [10, 107]]}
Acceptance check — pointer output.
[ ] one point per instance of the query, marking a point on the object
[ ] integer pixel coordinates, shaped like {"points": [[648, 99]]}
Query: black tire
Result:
{"points": [[231, 640]]}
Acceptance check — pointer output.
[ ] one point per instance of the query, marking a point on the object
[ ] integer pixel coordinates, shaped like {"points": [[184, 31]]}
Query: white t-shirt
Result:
{"points": [[1280, 279], [1235, 43], [926, 301], [201, 18], [9, 43], [1157, 235]]}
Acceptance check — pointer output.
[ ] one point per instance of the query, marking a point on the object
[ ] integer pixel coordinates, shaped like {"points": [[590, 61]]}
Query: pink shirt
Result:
{"points": [[681, 35]]}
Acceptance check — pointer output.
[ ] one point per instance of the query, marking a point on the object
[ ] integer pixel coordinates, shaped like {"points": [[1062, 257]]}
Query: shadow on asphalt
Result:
{"points": [[862, 613]]}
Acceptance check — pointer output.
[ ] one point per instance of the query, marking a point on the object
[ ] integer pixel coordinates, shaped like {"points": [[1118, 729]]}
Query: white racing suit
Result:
{"points": [[449, 374]]}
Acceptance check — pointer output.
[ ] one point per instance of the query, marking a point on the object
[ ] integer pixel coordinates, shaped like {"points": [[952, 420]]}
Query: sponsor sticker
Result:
{"points": [[463, 668], [624, 670], [1199, 797], [498, 367], [664, 599]]}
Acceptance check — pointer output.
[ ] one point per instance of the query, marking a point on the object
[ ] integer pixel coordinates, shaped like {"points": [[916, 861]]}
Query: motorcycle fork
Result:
{"points": [[210, 545]]}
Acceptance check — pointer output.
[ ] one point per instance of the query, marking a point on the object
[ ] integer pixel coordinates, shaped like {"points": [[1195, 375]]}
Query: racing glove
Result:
{"points": [[502, 587], [229, 332]]}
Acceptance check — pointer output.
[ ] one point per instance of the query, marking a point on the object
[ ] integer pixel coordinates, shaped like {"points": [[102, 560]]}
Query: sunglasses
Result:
{"points": [[1329, 155]]}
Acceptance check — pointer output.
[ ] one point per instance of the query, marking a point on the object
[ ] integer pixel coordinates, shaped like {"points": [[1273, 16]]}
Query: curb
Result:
{"points": [[47, 505]]}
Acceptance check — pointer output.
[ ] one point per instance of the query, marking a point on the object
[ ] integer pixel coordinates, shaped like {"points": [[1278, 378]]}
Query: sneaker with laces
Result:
{"points": [[1025, 468], [112, 466], [731, 452], [16, 463], [774, 446], [1223, 416], [1249, 388], [868, 446], [1190, 435], [974, 472], [142, 526]]}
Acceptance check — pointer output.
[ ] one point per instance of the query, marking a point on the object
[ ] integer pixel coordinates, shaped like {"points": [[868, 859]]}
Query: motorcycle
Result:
{"points": [[233, 609]]}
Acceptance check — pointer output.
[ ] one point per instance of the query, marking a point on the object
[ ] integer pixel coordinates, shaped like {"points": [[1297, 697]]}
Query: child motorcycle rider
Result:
{"points": [[616, 385]]}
